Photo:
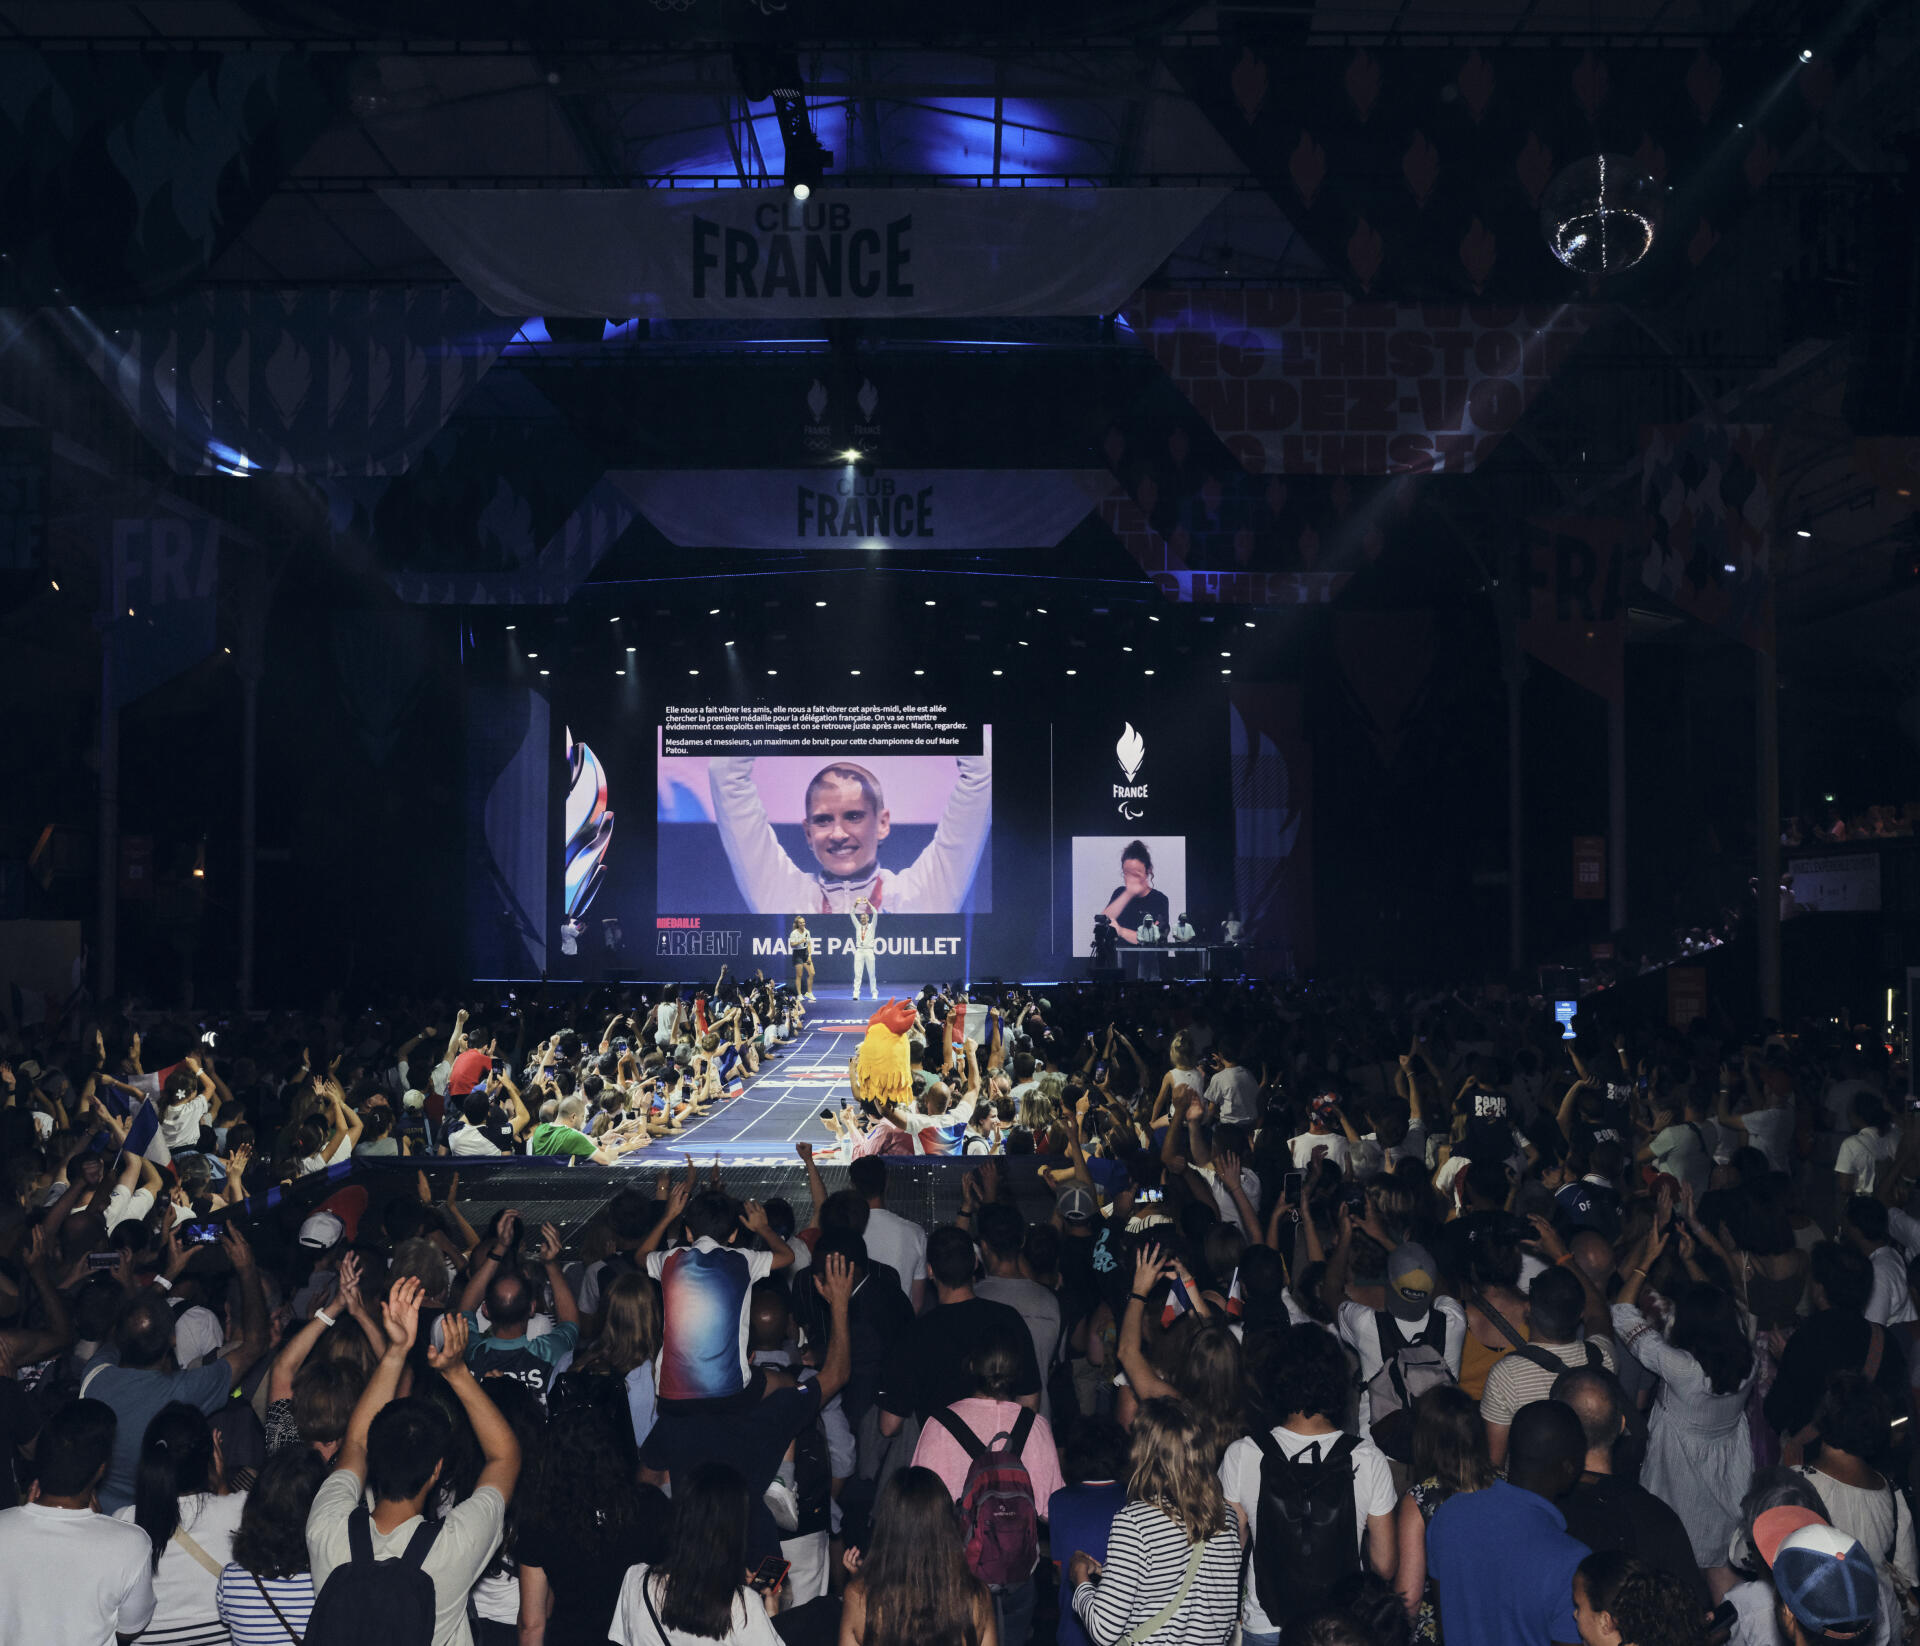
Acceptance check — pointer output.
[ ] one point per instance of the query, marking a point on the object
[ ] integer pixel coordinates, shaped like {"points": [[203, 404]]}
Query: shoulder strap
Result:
{"points": [[949, 1420], [200, 1556], [1388, 1331], [1160, 1619], [1594, 1356], [653, 1617], [279, 1616], [1022, 1428], [360, 1537], [420, 1543], [1478, 1300], [1269, 1447]]}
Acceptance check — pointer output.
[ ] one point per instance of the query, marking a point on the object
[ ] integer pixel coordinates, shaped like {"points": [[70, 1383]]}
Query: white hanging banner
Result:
{"points": [[842, 508], [744, 254]]}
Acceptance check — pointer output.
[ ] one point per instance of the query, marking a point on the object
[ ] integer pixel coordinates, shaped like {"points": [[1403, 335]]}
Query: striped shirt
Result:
{"points": [[1516, 1381], [248, 1617], [1147, 1554]]}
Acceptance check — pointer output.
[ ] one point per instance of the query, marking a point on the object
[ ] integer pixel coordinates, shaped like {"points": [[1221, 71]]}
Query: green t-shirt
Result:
{"points": [[553, 1138]]}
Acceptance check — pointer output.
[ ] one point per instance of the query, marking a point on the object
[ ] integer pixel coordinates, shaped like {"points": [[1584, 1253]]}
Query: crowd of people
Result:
{"points": [[1269, 1313]]}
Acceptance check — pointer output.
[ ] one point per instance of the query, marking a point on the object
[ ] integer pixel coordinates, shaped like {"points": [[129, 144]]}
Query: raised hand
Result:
{"points": [[453, 1342], [835, 1284], [402, 1313], [1149, 1264], [350, 1282], [239, 1253], [549, 1243]]}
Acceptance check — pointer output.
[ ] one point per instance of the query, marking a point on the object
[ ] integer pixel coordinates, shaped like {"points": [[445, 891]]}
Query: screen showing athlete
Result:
{"points": [[846, 824]]}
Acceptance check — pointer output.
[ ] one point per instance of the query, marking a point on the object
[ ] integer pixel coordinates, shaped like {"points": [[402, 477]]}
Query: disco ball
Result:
{"points": [[1601, 214]]}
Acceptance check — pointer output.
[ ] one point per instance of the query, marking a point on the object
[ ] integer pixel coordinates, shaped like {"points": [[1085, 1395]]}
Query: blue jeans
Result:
{"points": [[1013, 1613], [1249, 1638]]}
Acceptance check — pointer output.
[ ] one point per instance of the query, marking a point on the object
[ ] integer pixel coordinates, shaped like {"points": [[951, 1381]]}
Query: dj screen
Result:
{"points": [[635, 833]]}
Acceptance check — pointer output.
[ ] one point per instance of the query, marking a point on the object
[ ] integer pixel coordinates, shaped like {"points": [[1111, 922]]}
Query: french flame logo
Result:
{"points": [[1132, 749]]}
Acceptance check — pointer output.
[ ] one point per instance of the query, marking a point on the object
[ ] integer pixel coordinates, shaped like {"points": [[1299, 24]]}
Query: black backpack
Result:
{"points": [[1305, 1536], [391, 1601]]}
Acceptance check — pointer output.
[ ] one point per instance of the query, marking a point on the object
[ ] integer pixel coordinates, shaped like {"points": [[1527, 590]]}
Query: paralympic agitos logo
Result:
{"points": [[1131, 751], [810, 249]]}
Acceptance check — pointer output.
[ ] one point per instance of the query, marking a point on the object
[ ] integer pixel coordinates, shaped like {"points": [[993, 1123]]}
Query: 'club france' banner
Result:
{"points": [[756, 254], [835, 507]]}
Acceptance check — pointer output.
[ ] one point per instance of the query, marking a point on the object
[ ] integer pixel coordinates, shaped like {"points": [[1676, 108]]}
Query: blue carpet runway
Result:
{"points": [[781, 1105]]}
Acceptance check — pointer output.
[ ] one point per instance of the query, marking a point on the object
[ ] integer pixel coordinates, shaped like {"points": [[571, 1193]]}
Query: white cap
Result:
{"points": [[322, 1231]]}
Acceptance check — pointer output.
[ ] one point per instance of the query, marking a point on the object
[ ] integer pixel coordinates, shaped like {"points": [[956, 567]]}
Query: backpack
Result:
{"points": [[1306, 1537], [391, 1601], [1409, 1367], [997, 1508]]}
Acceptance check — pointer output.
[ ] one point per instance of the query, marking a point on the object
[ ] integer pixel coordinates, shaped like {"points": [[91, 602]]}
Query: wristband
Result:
{"points": [[163, 1283], [1140, 1297], [321, 1314]]}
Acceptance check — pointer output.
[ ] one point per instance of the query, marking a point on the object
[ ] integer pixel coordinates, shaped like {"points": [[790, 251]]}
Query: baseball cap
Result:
{"points": [[414, 1099], [469, 1069], [1410, 1272], [322, 1231], [1076, 1204], [29, 1068], [196, 1336], [1826, 1579]]}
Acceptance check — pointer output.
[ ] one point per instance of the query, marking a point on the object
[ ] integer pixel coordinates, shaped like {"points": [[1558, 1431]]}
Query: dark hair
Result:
{"points": [[706, 1559], [1001, 1229], [74, 1448], [950, 1256], [1372, 1602], [1759, 1222], [475, 1107], [1554, 1305], [406, 1442], [1136, 851], [993, 1366], [1307, 1373], [325, 1390], [868, 1175], [1706, 1325], [1449, 1440], [846, 1209], [272, 1539], [711, 1214], [176, 1461], [631, 1215], [919, 1591], [1094, 1449], [1855, 1416], [1868, 1215], [587, 1489], [1844, 1275], [1649, 1607], [1871, 1112]]}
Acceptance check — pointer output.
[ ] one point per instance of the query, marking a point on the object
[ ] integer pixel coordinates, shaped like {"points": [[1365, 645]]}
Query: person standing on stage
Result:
{"points": [[1182, 931], [865, 946], [800, 952]]}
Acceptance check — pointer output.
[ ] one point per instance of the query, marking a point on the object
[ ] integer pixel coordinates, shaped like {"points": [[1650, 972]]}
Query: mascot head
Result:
{"points": [[885, 1075]]}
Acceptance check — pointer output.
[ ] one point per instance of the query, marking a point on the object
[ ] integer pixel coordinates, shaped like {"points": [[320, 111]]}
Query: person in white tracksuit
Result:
{"points": [[846, 821], [866, 924]]}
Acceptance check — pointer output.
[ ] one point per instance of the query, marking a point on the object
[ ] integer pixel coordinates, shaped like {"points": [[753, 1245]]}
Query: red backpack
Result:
{"points": [[997, 1508]]}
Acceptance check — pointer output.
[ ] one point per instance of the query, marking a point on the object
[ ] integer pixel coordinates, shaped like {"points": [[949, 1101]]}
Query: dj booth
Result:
{"points": [[1151, 962]]}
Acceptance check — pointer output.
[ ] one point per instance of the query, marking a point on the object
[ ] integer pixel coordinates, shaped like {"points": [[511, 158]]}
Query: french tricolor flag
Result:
{"points": [[143, 1135], [1236, 1306], [1177, 1304]]}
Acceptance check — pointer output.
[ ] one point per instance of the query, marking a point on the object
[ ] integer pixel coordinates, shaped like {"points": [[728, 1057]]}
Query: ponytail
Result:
{"points": [[176, 1461]]}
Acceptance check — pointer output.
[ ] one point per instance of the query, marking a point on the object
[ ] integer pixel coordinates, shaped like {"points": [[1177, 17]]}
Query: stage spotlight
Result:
{"points": [[713, 611], [1802, 532], [997, 671], [929, 602], [819, 602], [613, 620], [801, 191], [1249, 622], [1023, 642], [773, 671], [1226, 654], [856, 671], [919, 671], [1149, 671], [1073, 671], [729, 642], [56, 584], [693, 671], [1806, 54], [850, 455], [546, 671], [1042, 610], [1126, 648], [510, 627], [631, 650], [533, 654], [1151, 618], [619, 674], [1226, 671]]}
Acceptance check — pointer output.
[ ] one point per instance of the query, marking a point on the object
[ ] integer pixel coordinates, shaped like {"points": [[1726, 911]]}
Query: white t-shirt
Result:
{"points": [[472, 1140], [1335, 1143], [73, 1578], [185, 1593], [1890, 1304], [899, 1243], [1680, 1151], [1373, 1494], [1863, 1155], [633, 1621], [1771, 1132], [180, 1125]]}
